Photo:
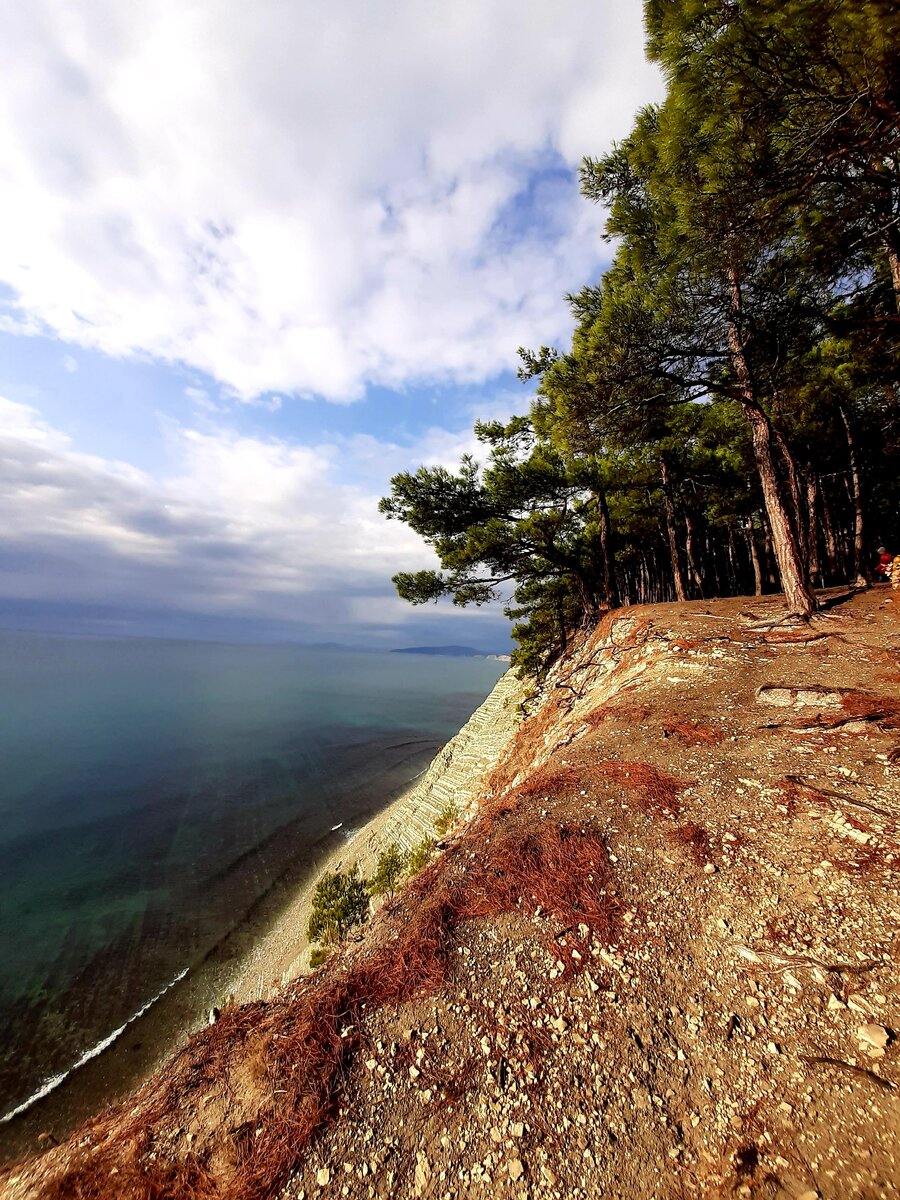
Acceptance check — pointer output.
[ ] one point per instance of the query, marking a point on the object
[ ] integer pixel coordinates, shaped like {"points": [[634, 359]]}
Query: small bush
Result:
{"points": [[420, 855], [390, 868], [340, 901], [446, 819], [318, 957]]}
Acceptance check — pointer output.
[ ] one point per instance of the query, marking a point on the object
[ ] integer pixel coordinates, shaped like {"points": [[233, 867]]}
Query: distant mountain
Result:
{"points": [[449, 651]]}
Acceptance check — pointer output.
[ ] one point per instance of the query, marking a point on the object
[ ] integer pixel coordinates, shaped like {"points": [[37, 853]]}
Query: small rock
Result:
{"points": [[323, 1177], [875, 1036], [422, 1175], [516, 1169]]}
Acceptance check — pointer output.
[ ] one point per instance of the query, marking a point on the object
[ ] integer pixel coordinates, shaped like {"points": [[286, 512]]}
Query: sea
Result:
{"points": [[153, 793]]}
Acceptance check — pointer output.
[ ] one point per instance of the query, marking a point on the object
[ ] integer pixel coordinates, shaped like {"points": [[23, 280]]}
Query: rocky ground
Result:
{"points": [[706, 1007], [739, 1037]]}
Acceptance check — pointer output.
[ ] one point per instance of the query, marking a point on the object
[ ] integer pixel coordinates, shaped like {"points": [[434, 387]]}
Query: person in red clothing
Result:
{"points": [[883, 567]]}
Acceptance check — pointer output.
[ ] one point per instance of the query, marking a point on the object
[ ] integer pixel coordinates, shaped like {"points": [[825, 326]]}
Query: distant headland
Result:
{"points": [[451, 652]]}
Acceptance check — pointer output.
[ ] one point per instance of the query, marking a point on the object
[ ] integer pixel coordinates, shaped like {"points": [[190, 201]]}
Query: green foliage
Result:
{"points": [[421, 855], [524, 523], [446, 819], [393, 862], [318, 956], [340, 901], [727, 416]]}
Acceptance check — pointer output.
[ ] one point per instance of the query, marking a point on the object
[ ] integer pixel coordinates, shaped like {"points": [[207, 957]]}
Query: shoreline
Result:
{"points": [[281, 954], [121, 1060], [267, 947]]}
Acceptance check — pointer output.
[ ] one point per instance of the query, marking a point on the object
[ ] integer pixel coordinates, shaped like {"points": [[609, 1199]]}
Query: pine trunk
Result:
{"points": [[691, 557], [607, 566], [645, 581], [812, 490], [797, 592], [754, 558], [893, 257], [859, 562], [828, 534], [561, 623], [793, 479], [669, 507]]}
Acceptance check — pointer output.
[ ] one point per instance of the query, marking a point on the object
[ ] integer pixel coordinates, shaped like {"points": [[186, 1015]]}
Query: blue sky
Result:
{"points": [[256, 259]]}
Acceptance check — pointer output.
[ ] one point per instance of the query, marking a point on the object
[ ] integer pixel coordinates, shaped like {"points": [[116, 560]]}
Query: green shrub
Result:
{"points": [[391, 866], [421, 854], [318, 956], [446, 819], [340, 901]]}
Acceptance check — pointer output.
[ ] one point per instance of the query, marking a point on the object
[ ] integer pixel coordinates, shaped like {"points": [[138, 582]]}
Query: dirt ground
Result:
{"points": [[707, 1007]]}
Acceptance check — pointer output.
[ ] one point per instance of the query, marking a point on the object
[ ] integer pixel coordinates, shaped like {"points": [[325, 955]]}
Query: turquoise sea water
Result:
{"points": [[152, 791]]}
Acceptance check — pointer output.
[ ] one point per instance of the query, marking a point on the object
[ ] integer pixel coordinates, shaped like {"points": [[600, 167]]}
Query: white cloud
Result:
{"points": [[70, 363], [295, 197], [240, 527]]}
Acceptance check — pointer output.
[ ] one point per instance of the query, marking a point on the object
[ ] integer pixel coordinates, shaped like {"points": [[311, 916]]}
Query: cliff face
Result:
{"points": [[656, 959], [453, 777]]}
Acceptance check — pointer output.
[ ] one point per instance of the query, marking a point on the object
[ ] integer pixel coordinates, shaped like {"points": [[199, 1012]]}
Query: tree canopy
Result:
{"points": [[726, 417]]}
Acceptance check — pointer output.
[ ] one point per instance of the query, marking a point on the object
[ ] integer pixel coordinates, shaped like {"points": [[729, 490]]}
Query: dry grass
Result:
{"points": [[691, 733], [657, 791], [863, 706], [687, 644], [695, 840], [883, 711], [789, 637], [633, 713], [256, 1086], [791, 795]]}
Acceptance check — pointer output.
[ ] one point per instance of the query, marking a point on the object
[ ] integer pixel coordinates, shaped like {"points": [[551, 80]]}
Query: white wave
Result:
{"points": [[338, 826], [54, 1081]]}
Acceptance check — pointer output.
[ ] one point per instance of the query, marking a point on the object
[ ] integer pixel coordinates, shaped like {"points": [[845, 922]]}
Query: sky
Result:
{"points": [[254, 260]]}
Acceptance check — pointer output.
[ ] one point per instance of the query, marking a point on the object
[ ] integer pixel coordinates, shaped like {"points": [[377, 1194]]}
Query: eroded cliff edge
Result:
{"points": [[657, 957]]}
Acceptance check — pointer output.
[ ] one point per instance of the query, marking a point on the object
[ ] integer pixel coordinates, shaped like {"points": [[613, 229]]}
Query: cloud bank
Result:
{"points": [[252, 530], [301, 198]]}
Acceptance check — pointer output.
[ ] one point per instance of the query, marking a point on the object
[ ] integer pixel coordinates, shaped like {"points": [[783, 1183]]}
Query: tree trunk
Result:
{"points": [[771, 565], [691, 557], [733, 573], [670, 531], [645, 580], [793, 479], [607, 567], [799, 596], [859, 561], [561, 622], [893, 257], [754, 558], [828, 534], [812, 491]]}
